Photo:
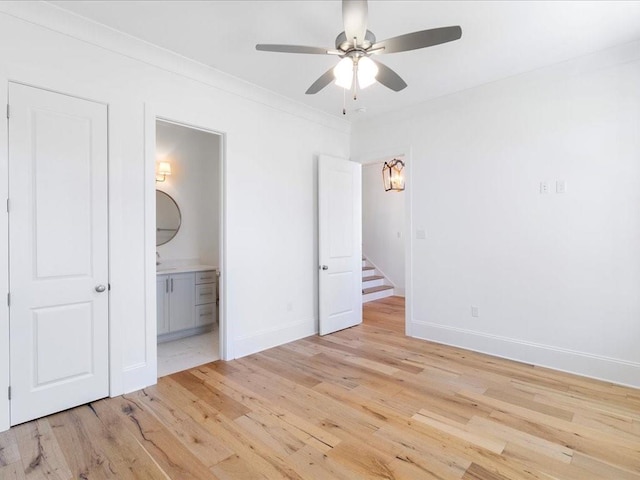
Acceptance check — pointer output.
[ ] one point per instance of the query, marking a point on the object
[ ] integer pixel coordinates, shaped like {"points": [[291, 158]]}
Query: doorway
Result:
{"points": [[383, 234], [189, 249]]}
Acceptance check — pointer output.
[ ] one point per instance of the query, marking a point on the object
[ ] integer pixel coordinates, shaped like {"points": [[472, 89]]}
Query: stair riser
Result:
{"points": [[372, 283], [377, 295], [368, 273]]}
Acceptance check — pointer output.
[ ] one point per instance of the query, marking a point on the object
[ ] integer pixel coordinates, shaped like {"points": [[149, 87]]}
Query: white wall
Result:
{"points": [[195, 186], [383, 225], [269, 232], [556, 277]]}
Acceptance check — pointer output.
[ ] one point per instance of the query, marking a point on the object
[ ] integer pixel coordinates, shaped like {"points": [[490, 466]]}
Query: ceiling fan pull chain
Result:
{"points": [[344, 101], [355, 80]]}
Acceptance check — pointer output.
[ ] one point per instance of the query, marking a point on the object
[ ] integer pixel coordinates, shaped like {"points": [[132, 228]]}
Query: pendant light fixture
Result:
{"points": [[393, 175]]}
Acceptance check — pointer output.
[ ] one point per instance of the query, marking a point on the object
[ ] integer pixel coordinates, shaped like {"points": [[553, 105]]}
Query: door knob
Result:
{"points": [[100, 288], [324, 267]]}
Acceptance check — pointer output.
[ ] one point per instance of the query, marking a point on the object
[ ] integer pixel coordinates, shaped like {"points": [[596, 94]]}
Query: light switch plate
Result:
{"points": [[421, 235]]}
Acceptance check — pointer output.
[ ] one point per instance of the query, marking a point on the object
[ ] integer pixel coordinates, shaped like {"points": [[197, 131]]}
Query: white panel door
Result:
{"points": [[58, 251], [340, 243]]}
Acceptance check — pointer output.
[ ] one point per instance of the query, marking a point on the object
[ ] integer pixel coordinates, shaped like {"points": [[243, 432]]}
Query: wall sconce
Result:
{"points": [[393, 175], [164, 169]]}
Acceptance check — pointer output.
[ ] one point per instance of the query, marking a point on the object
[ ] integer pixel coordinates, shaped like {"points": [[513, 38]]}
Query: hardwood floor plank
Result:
{"points": [[313, 464], [127, 457], [210, 395], [235, 467], [41, 455], [484, 440], [476, 472], [166, 450], [83, 457], [9, 452], [12, 471], [363, 460], [483, 426], [599, 469], [190, 433]]}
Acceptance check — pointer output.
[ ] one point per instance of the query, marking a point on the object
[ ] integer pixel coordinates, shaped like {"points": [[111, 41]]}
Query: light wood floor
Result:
{"points": [[366, 402]]}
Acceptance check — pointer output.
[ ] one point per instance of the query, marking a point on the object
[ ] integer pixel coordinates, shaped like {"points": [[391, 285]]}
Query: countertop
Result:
{"points": [[169, 269]]}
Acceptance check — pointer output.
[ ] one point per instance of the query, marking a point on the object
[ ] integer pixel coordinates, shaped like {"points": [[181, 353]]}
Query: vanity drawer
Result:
{"points": [[205, 314], [206, 293], [205, 277]]}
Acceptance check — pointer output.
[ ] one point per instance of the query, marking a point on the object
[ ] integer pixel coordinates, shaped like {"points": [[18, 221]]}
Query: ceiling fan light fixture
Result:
{"points": [[367, 72], [343, 72]]}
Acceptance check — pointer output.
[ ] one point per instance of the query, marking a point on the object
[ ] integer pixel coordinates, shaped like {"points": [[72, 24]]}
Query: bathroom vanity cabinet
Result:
{"points": [[186, 303]]}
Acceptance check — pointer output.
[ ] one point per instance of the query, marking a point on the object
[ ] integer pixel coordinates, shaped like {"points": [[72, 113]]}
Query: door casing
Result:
{"points": [[155, 113]]}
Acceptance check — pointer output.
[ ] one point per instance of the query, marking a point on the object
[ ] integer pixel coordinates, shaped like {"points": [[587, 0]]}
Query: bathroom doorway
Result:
{"points": [[188, 245]]}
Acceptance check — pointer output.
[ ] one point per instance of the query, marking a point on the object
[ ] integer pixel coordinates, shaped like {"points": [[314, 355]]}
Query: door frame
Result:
{"points": [[379, 156], [153, 113], [5, 419], [115, 366]]}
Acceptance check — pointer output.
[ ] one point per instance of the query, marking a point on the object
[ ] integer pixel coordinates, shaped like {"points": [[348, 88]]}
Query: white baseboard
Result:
{"points": [[273, 337], [588, 365]]}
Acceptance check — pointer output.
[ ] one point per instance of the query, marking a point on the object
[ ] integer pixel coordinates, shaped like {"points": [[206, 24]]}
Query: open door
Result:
{"points": [[340, 243]]}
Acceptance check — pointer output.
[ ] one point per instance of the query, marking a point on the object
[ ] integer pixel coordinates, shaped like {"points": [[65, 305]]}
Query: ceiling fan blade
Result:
{"points": [[389, 78], [354, 17], [421, 39], [295, 49], [326, 78]]}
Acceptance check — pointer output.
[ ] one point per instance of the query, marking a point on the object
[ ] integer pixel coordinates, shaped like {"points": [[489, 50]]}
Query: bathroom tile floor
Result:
{"points": [[188, 352]]}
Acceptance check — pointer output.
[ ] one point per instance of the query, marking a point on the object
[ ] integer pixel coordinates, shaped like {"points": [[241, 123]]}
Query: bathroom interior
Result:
{"points": [[188, 164]]}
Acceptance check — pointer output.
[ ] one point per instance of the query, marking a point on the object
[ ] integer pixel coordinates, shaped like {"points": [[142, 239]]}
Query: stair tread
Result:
{"points": [[372, 277], [368, 268], [376, 289]]}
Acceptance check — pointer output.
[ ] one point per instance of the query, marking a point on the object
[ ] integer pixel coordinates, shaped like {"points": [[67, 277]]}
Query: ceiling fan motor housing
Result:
{"points": [[344, 44]]}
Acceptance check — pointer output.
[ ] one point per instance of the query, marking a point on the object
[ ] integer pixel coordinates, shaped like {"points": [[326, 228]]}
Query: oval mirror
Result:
{"points": [[168, 218]]}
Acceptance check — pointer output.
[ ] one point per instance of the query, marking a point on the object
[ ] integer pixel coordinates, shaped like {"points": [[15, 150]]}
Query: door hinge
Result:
{"points": [[7, 205], [8, 111], [9, 392], [109, 286], [8, 299]]}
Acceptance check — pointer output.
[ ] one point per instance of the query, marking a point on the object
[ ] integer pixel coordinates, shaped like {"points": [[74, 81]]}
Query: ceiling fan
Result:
{"points": [[355, 45]]}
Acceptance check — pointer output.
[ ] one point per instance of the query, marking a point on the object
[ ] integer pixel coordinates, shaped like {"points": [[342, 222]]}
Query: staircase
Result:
{"points": [[374, 284]]}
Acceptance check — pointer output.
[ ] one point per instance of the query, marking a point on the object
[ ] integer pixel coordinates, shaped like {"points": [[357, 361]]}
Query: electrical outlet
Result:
{"points": [[474, 311], [544, 187], [561, 186], [289, 307]]}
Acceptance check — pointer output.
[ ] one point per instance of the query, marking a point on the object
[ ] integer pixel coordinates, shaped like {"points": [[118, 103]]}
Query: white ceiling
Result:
{"points": [[499, 39]]}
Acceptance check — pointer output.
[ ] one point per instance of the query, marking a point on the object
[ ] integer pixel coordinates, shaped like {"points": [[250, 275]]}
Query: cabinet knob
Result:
{"points": [[100, 288], [324, 267]]}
